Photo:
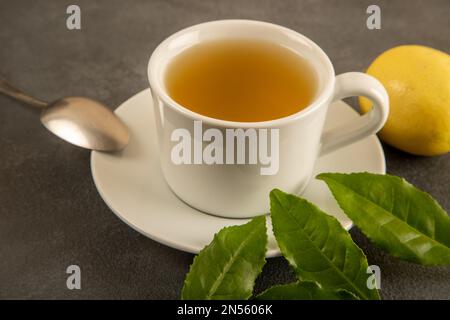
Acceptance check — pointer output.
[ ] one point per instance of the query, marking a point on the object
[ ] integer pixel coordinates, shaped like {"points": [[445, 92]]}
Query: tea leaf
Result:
{"points": [[398, 217], [317, 247], [228, 267], [304, 290]]}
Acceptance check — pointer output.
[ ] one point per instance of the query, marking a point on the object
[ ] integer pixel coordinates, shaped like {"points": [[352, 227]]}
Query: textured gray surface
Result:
{"points": [[50, 213]]}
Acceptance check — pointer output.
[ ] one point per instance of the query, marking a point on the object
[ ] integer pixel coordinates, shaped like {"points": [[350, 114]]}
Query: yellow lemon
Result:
{"points": [[417, 79]]}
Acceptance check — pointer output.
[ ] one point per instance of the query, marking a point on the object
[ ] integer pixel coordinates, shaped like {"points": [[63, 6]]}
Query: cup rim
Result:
{"points": [[158, 89]]}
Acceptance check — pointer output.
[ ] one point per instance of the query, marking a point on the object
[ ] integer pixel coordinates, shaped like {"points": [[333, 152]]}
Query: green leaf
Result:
{"points": [[304, 290], [228, 267], [317, 247], [398, 217]]}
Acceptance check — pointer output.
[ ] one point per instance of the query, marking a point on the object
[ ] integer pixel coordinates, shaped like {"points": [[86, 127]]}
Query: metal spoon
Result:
{"points": [[81, 121]]}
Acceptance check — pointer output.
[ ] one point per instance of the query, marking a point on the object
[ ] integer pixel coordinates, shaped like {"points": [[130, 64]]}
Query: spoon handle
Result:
{"points": [[10, 91]]}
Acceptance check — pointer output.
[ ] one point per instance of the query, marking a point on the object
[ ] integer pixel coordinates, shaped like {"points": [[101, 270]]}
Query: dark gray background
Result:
{"points": [[51, 215]]}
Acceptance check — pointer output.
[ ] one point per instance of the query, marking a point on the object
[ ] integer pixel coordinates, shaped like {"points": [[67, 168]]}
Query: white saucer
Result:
{"points": [[132, 185]]}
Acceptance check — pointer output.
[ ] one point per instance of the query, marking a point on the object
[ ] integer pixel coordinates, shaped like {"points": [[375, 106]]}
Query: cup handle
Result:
{"points": [[357, 84]]}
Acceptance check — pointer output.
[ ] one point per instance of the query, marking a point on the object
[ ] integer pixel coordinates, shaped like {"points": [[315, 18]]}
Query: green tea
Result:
{"points": [[241, 80]]}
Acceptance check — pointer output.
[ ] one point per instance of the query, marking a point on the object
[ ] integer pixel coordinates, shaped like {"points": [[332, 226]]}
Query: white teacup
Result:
{"points": [[240, 190]]}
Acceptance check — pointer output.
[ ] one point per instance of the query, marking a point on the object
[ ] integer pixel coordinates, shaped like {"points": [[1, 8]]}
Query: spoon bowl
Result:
{"points": [[86, 123]]}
